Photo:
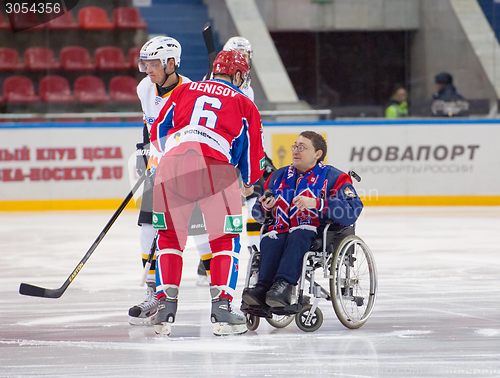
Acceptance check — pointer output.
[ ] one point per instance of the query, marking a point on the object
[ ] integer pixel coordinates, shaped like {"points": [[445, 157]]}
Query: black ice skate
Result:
{"points": [[166, 316], [226, 321], [143, 313]]}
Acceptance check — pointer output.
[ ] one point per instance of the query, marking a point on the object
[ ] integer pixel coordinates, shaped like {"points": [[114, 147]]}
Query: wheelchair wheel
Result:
{"points": [[280, 321], [354, 284], [315, 321], [252, 322]]}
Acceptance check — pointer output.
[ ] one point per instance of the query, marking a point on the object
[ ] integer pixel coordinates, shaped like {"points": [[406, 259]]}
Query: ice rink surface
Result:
{"points": [[437, 312]]}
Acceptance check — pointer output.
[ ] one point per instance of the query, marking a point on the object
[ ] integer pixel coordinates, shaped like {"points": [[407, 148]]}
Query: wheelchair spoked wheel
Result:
{"points": [[252, 322], [354, 284], [280, 321], [308, 322]]}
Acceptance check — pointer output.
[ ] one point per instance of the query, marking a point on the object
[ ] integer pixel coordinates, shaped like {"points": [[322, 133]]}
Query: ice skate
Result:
{"points": [[226, 321], [143, 313], [167, 309]]}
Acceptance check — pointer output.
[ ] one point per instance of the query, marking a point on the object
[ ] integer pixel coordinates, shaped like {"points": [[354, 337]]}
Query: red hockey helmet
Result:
{"points": [[228, 62]]}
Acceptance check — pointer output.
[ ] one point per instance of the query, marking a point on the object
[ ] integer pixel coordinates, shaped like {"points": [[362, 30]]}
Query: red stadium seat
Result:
{"points": [[94, 18], [9, 59], [90, 89], [110, 58], [128, 18], [26, 21], [19, 90], [123, 89], [76, 58], [55, 89], [64, 22], [133, 57], [4, 22], [40, 58]]}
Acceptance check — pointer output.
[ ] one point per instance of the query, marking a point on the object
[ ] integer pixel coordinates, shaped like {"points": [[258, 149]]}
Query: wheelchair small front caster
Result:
{"points": [[252, 322], [308, 322], [280, 321]]}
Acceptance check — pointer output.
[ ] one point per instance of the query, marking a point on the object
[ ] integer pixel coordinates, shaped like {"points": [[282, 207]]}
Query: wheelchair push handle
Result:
{"points": [[354, 175]]}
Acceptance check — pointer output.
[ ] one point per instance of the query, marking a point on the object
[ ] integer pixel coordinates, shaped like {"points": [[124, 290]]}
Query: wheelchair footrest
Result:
{"points": [[287, 310], [261, 312]]}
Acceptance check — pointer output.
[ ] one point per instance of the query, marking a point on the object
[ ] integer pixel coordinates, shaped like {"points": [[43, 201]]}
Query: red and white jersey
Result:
{"points": [[215, 119], [151, 101]]}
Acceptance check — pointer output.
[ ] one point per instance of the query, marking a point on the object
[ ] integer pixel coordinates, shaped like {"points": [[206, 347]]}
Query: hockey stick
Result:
{"points": [[36, 291], [209, 42], [147, 266]]}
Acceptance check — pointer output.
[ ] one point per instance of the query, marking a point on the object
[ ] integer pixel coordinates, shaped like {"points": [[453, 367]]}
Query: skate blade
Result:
{"points": [[142, 322], [163, 329], [226, 329]]}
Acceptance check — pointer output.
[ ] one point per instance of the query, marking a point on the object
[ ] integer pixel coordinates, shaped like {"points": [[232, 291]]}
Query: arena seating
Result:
{"points": [[19, 90], [133, 57], [25, 21], [94, 18], [4, 22], [89, 55], [55, 89], [123, 89], [76, 58], [110, 58], [128, 18], [40, 58], [64, 22], [9, 59], [90, 89]]}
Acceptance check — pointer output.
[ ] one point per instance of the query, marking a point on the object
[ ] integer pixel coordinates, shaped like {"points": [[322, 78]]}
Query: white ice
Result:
{"points": [[437, 312]]}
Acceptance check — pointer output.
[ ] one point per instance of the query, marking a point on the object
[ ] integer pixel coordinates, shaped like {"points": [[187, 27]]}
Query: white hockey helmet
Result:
{"points": [[240, 44], [162, 48]]}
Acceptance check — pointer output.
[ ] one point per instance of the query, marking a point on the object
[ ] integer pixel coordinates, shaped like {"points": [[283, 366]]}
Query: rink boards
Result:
{"points": [[54, 166]]}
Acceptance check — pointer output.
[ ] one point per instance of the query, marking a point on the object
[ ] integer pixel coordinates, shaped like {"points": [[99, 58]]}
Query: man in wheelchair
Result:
{"points": [[295, 204]]}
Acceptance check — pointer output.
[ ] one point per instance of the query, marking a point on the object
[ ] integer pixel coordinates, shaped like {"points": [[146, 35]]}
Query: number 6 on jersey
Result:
{"points": [[200, 111]]}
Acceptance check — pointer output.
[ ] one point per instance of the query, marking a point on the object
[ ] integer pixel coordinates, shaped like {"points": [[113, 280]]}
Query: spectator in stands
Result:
{"points": [[301, 198], [447, 102], [398, 105]]}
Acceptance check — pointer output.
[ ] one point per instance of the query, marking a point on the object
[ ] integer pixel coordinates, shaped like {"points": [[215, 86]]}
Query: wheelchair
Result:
{"points": [[349, 267]]}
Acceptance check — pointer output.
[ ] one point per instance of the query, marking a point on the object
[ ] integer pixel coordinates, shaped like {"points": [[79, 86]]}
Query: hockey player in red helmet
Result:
{"points": [[205, 134], [229, 63]]}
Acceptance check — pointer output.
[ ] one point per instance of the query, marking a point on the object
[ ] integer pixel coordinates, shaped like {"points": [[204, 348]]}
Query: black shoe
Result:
{"points": [[280, 294], [255, 296]]}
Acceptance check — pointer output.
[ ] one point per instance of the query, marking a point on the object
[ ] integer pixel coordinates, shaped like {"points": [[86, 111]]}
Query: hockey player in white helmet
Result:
{"points": [[160, 58], [245, 48]]}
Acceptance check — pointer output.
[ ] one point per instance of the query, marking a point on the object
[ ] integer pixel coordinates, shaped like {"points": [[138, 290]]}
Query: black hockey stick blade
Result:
{"points": [[209, 42], [36, 291]]}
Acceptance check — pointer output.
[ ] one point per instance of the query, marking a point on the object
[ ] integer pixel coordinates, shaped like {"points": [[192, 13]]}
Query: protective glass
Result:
{"points": [[145, 64]]}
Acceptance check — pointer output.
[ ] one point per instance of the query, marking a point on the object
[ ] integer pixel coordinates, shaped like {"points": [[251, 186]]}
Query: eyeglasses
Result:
{"points": [[299, 148]]}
